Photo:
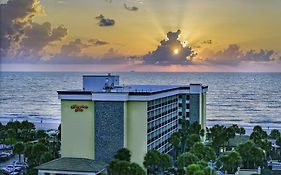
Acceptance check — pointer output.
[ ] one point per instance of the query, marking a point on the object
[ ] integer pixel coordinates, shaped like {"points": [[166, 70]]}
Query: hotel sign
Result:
{"points": [[79, 108]]}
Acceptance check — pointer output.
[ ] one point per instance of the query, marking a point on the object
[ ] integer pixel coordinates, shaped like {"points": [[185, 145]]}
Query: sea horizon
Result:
{"points": [[244, 100]]}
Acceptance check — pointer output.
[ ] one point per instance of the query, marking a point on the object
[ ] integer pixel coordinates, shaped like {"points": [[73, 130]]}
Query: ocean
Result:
{"points": [[246, 99]]}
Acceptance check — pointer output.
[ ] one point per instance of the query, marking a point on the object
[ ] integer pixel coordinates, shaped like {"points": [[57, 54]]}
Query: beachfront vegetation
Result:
{"points": [[121, 164], [155, 161], [36, 146], [123, 154]]}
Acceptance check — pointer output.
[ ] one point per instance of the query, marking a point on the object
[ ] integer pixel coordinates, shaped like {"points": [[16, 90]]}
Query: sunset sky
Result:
{"points": [[141, 35]]}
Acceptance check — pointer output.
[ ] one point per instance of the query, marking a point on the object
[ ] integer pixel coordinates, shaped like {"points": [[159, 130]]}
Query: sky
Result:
{"points": [[141, 35]]}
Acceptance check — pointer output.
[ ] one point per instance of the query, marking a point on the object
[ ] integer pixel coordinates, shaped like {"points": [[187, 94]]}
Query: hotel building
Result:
{"points": [[105, 116]]}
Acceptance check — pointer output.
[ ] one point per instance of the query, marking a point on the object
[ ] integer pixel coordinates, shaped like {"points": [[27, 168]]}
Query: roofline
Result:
{"points": [[129, 93]]}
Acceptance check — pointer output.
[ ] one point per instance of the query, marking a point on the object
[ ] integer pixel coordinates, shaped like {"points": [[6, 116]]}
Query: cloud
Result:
{"points": [[21, 37], [18, 15], [73, 48], [171, 51], [233, 55], [72, 53], [104, 22], [97, 42], [40, 35], [132, 8]]}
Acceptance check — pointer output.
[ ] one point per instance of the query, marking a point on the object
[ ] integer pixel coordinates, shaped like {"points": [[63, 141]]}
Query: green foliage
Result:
{"points": [[231, 161], [192, 139], [123, 154], [217, 136], [176, 140], [46, 157], [242, 131], [122, 167], [203, 152], [166, 161], [197, 169], [278, 141], [135, 169], [40, 134], [186, 159], [275, 134], [152, 160], [252, 156], [19, 149], [258, 135], [183, 140], [220, 134]]}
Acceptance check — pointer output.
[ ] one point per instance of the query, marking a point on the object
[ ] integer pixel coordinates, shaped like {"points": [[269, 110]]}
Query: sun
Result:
{"points": [[176, 51]]}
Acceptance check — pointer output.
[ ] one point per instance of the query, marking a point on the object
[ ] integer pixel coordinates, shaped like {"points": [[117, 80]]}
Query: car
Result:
{"points": [[7, 169], [21, 164]]}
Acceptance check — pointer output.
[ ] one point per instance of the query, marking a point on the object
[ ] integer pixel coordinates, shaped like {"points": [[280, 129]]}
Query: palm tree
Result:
{"points": [[19, 149], [123, 154], [152, 161]]}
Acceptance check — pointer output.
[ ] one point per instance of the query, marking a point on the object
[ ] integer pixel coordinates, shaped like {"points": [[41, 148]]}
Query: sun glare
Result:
{"points": [[176, 51]]}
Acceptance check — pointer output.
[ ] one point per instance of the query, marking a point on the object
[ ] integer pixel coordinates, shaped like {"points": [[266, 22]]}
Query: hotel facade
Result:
{"points": [[105, 116]]}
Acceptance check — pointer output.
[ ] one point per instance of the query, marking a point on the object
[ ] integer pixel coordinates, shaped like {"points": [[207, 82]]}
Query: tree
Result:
{"points": [[40, 134], [217, 136], [46, 157], [203, 152], [197, 169], [278, 141], [258, 135], [27, 125], [252, 156], [59, 133], [135, 169], [175, 141], [166, 161], [275, 133], [242, 131], [37, 150], [3, 135], [152, 161], [192, 139], [11, 133], [19, 149], [231, 161], [122, 167], [123, 154], [186, 159], [119, 167]]}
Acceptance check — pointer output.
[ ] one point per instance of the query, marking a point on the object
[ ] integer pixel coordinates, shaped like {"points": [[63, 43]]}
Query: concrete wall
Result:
{"points": [[109, 129], [77, 130], [194, 109], [137, 130], [203, 123]]}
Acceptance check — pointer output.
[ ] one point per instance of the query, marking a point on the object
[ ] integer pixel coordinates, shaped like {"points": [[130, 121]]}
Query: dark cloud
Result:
{"points": [[73, 48], [233, 55], [19, 35], [104, 22], [170, 52], [71, 53], [40, 35], [15, 18], [96, 42], [132, 8]]}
